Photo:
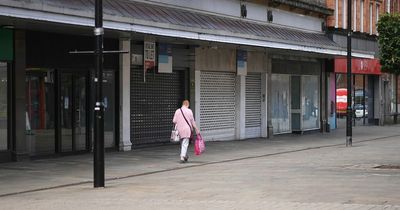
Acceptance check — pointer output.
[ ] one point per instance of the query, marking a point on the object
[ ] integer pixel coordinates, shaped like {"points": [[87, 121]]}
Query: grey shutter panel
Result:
{"points": [[153, 105]]}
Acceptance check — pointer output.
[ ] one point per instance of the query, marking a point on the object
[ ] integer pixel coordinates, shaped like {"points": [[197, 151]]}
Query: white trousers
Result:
{"points": [[184, 147]]}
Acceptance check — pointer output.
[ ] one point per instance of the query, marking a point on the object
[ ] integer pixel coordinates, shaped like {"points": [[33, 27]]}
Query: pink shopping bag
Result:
{"points": [[199, 145]]}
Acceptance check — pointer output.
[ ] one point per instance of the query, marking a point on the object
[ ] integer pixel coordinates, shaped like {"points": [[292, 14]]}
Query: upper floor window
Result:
{"points": [[344, 14], [377, 12], [377, 17], [336, 13], [362, 16], [370, 19], [355, 15]]}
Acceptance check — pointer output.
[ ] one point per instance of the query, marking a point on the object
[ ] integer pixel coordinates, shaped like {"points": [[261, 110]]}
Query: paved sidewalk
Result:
{"points": [[123, 168]]}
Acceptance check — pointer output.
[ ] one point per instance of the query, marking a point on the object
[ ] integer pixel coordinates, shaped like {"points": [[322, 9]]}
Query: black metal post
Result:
{"points": [[98, 163], [349, 132], [364, 99], [355, 102], [396, 98]]}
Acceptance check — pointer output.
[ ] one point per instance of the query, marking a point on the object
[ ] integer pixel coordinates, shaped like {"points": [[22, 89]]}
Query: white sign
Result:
{"points": [[149, 55], [137, 59]]}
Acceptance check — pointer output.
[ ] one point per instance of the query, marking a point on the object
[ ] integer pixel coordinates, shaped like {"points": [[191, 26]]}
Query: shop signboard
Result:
{"points": [[149, 54], [241, 62], [6, 45], [164, 58], [358, 66]]}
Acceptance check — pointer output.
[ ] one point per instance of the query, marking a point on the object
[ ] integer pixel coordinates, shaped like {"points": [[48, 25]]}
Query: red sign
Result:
{"points": [[149, 55], [358, 66], [341, 100]]}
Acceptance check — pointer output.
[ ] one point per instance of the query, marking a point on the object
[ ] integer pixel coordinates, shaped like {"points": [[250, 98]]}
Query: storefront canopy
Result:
{"points": [[125, 15]]}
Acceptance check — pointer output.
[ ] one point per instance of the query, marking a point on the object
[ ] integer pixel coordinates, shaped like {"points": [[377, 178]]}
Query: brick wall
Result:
{"points": [[331, 20], [395, 6]]}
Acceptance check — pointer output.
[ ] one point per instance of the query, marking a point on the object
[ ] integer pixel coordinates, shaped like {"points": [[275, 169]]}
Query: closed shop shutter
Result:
{"points": [[253, 105], [153, 104], [217, 105]]}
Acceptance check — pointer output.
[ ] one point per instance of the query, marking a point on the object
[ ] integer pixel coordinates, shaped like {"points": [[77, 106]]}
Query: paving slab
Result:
{"points": [[310, 171]]}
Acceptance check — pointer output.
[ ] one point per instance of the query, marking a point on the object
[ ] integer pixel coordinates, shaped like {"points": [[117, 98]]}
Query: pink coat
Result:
{"points": [[182, 126]]}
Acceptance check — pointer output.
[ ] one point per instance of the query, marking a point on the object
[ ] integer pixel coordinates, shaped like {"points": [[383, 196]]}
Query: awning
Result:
{"points": [[125, 15], [358, 66]]}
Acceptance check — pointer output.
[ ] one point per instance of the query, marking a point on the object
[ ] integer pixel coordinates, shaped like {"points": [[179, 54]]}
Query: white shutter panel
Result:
{"points": [[217, 105], [253, 105]]}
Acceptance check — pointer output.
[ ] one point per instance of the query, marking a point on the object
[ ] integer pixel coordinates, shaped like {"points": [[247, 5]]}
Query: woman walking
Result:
{"points": [[184, 121]]}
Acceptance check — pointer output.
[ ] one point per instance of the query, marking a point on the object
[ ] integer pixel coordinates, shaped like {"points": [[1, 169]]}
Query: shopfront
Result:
{"points": [[6, 59], [366, 83], [157, 92], [217, 93], [295, 96], [59, 94]]}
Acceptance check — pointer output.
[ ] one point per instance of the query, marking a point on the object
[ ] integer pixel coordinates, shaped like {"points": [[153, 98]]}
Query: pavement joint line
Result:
{"points": [[192, 166], [45, 188]]}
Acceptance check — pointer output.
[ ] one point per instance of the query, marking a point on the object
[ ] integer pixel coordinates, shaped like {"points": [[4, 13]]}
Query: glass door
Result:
{"points": [[80, 113], [281, 103], [3, 107], [40, 111], [295, 86], [310, 102], [73, 112]]}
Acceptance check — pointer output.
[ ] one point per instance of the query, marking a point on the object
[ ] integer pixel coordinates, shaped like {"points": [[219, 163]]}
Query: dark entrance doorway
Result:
{"points": [[74, 115]]}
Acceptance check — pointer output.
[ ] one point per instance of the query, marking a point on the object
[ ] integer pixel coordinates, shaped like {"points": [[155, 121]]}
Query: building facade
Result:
{"points": [[250, 69], [373, 91]]}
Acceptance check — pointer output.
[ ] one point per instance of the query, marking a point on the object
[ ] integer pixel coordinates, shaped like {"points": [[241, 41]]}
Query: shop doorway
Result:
{"points": [[59, 111], [305, 103], [361, 97], [74, 124]]}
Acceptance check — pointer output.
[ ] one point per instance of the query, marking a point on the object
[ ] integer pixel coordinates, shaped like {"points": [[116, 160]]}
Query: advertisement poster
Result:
{"points": [[241, 62], [149, 54], [164, 58]]}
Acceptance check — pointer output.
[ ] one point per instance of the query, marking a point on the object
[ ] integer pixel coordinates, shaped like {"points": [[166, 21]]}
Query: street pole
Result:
{"points": [[349, 131], [98, 163], [396, 98]]}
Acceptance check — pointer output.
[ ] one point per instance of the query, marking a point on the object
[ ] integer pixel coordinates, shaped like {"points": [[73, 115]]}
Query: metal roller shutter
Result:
{"points": [[153, 104], [218, 105], [253, 105]]}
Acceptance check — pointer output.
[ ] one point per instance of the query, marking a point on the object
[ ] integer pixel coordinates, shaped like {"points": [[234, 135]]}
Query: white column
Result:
{"points": [[197, 97], [381, 109], [264, 108], [268, 66], [125, 143], [240, 107]]}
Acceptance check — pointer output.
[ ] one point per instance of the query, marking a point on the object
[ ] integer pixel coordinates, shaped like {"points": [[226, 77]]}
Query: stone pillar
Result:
{"points": [[264, 107], [19, 118], [268, 65], [193, 82], [197, 98], [323, 98], [240, 107], [125, 143]]}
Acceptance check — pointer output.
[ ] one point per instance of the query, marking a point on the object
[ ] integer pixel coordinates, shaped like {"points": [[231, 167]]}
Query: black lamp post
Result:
{"points": [[349, 132], [98, 152]]}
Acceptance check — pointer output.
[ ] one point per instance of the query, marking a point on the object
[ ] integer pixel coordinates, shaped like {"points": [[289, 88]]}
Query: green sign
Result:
{"points": [[6, 45]]}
